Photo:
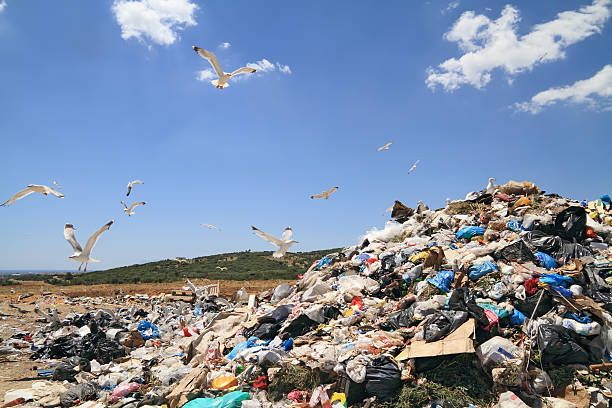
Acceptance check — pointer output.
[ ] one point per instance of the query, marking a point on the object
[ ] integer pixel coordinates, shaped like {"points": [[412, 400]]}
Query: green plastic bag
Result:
{"points": [[230, 400]]}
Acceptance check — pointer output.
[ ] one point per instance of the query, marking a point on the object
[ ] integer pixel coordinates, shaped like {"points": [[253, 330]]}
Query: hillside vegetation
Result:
{"points": [[240, 266]]}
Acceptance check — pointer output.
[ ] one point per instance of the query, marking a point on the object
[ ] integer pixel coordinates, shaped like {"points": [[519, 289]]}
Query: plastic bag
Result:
{"points": [[396, 320], [443, 280], [147, 330], [78, 394], [442, 323], [571, 224], [478, 271], [467, 232], [546, 260], [224, 382], [516, 251], [496, 351], [282, 291], [462, 299], [251, 342], [527, 306], [554, 279], [584, 329], [383, 378], [123, 390], [231, 400], [558, 345]]}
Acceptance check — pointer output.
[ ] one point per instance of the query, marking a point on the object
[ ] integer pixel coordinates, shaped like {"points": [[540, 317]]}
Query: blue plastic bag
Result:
{"points": [[147, 330], [230, 400], [443, 280], [323, 262], [288, 344], [468, 232], [562, 291], [251, 342], [197, 310], [478, 271], [513, 225], [546, 260], [578, 317], [517, 318], [554, 279]]}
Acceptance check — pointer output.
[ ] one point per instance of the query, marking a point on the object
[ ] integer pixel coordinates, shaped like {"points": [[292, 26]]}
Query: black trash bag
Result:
{"points": [[527, 306], [387, 262], [383, 379], [263, 331], [597, 288], [558, 345], [571, 224], [298, 327], [462, 299], [96, 346], [78, 394], [516, 251], [540, 241], [209, 307], [570, 251], [331, 312], [396, 320], [278, 315], [66, 370], [141, 313], [58, 349], [441, 323]]}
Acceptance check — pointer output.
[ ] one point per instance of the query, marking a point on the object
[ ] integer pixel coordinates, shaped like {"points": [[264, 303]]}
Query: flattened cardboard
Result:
{"points": [[459, 341]]}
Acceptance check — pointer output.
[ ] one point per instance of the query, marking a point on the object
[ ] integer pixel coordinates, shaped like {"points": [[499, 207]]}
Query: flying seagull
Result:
{"points": [[385, 147], [83, 255], [542, 57], [325, 194], [57, 184], [222, 77], [222, 267], [413, 166], [33, 188], [129, 211], [283, 244], [210, 226], [132, 183]]}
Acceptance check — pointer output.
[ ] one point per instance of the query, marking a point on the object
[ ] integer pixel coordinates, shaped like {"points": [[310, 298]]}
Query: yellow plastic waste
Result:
{"points": [[417, 257], [223, 383], [340, 397]]}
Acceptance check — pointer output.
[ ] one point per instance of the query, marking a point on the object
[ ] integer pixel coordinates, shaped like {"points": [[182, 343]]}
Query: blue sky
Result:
{"points": [[96, 95]]}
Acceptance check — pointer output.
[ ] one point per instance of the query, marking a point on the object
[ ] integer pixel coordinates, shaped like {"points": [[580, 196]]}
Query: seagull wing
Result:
{"points": [[130, 184], [413, 166], [331, 190], [135, 204], [50, 190], [69, 235], [287, 233], [268, 237], [318, 196], [91, 242], [210, 57], [124, 204], [389, 209], [18, 196], [244, 70]]}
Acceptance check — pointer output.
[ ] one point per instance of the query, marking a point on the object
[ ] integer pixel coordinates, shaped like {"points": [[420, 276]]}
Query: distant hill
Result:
{"points": [[245, 265]]}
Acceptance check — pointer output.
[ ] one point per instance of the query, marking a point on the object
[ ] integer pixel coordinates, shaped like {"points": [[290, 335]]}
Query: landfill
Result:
{"points": [[503, 299]]}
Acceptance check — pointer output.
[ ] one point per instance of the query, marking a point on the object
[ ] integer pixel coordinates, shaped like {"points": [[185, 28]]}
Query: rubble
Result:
{"points": [[502, 300]]}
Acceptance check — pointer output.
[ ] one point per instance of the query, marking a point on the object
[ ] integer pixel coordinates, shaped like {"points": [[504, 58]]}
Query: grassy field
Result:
{"points": [[241, 266]]}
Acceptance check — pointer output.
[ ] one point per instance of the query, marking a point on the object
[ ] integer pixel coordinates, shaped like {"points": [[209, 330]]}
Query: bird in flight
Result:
{"points": [[413, 166], [83, 255], [222, 77], [32, 188], [385, 147], [210, 226], [57, 184], [131, 184], [542, 57], [325, 194], [389, 209], [222, 267], [283, 244], [129, 211]]}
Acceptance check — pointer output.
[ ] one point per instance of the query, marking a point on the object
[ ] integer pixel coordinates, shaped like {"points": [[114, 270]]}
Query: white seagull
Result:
{"points": [[283, 244], [210, 226], [413, 166], [385, 147], [83, 255], [223, 268], [129, 210], [132, 183], [223, 77], [490, 189], [32, 188], [325, 194]]}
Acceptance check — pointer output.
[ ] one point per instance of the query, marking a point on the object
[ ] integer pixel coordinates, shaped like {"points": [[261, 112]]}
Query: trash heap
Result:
{"points": [[503, 299]]}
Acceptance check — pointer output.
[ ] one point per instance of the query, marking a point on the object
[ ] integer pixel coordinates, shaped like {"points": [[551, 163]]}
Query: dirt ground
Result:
{"points": [[17, 371]]}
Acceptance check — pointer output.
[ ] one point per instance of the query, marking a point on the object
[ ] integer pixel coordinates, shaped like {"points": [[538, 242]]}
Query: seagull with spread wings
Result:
{"points": [[83, 255], [385, 147], [210, 226], [283, 244], [413, 166], [32, 188], [129, 210], [223, 268], [131, 184], [325, 194], [222, 77]]}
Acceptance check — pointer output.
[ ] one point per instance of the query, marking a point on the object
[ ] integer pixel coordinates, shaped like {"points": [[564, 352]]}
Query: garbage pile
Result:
{"points": [[503, 299]]}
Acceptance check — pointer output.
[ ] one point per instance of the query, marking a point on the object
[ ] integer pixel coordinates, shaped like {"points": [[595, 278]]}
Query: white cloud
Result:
{"points": [[490, 44], [596, 92], [157, 20], [285, 69], [225, 45], [451, 6], [2, 5], [262, 65], [206, 75]]}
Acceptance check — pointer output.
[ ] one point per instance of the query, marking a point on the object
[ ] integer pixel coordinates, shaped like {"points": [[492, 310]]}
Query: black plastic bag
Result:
{"points": [[558, 345], [299, 326], [263, 331], [597, 288], [278, 315], [527, 306], [96, 346], [462, 299], [571, 251], [79, 394], [383, 379], [571, 224], [442, 323], [396, 320], [331, 312], [540, 241], [516, 251]]}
